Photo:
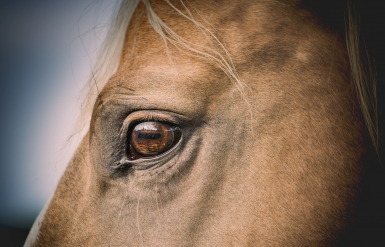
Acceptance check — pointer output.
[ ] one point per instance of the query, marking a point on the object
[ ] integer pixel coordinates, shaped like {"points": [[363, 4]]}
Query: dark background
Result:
{"points": [[38, 40]]}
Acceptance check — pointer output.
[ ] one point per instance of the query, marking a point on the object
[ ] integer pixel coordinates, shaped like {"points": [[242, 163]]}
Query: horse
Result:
{"points": [[223, 123]]}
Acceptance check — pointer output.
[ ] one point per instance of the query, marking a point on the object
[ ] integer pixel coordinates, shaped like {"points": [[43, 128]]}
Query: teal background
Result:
{"points": [[46, 51]]}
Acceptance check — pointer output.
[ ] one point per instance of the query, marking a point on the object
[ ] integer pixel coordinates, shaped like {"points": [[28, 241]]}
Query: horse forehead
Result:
{"points": [[243, 27], [272, 32], [176, 81], [238, 25]]}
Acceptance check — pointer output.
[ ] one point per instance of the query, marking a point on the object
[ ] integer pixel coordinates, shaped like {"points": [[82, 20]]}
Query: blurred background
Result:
{"points": [[47, 48]]}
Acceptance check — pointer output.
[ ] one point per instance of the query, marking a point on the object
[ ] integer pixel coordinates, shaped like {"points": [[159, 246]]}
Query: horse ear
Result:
{"points": [[62, 210]]}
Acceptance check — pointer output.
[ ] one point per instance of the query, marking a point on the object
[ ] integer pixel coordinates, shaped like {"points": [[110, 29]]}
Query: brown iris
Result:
{"points": [[152, 138]]}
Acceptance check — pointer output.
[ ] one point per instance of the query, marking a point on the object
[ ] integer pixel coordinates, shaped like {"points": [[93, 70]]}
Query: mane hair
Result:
{"points": [[362, 74], [106, 63], [213, 55]]}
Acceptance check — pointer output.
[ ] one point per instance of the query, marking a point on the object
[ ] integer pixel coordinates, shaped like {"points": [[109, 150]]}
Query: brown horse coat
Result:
{"points": [[274, 159]]}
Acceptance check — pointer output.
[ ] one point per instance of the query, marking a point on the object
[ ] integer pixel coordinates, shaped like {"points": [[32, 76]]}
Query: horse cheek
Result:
{"points": [[63, 210]]}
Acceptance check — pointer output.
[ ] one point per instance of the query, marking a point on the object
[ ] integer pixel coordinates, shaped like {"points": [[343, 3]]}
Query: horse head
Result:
{"points": [[225, 123]]}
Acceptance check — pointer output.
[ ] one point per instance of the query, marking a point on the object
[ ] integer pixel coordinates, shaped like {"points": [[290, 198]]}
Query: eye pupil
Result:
{"points": [[149, 136], [152, 138]]}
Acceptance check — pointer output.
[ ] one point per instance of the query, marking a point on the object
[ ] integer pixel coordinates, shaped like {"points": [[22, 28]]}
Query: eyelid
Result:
{"points": [[145, 116]]}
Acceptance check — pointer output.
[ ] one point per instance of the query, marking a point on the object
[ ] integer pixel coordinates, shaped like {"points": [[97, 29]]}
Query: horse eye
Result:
{"points": [[152, 138]]}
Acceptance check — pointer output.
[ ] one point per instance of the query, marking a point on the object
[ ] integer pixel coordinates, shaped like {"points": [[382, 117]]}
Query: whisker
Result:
{"points": [[137, 216], [156, 193], [124, 199], [178, 171], [177, 203]]}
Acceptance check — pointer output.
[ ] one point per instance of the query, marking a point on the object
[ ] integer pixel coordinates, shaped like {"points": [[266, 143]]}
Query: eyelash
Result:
{"points": [[130, 122], [154, 118]]}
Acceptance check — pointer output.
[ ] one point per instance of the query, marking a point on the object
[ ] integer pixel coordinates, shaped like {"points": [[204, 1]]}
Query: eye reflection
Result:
{"points": [[152, 138]]}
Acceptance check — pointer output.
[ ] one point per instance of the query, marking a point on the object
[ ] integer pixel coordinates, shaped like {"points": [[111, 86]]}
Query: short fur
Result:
{"points": [[288, 174]]}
